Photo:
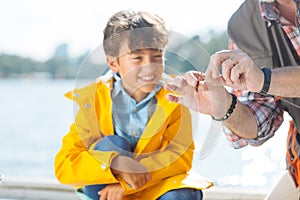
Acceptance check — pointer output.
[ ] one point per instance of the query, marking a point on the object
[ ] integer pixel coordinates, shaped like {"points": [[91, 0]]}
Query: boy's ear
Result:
{"points": [[112, 63]]}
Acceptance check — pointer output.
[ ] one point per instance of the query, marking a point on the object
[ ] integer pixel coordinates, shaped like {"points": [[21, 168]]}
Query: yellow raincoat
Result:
{"points": [[165, 147]]}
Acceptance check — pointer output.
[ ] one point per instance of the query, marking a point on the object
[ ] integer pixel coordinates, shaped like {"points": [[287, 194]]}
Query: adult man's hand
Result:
{"points": [[238, 71]]}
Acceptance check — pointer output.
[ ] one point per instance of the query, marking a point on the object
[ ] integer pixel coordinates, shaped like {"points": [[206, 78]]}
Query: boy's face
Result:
{"points": [[140, 71]]}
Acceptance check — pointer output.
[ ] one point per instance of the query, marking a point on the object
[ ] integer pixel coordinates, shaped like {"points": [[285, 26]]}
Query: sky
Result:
{"points": [[34, 28]]}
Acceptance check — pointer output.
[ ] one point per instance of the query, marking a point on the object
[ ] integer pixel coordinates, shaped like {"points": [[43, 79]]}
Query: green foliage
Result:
{"points": [[194, 53], [12, 64], [216, 42]]}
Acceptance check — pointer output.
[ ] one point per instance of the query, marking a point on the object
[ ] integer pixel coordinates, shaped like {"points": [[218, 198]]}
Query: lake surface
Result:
{"points": [[34, 116]]}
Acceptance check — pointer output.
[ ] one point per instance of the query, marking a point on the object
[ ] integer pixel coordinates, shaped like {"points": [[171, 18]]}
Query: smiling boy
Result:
{"points": [[128, 141]]}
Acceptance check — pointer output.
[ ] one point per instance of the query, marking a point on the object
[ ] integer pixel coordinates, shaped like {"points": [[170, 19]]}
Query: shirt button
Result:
{"points": [[134, 133], [76, 95], [103, 166], [134, 109]]}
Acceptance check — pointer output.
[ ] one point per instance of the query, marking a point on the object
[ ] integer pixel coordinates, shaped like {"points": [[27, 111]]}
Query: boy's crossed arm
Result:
{"points": [[131, 171]]}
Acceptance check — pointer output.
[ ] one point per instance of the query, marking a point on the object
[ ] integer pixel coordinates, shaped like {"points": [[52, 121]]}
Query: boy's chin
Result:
{"points": [[148, 88]]}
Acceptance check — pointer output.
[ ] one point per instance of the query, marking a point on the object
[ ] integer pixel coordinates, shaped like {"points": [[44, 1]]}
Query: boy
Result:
{"points": [[128, 141]]}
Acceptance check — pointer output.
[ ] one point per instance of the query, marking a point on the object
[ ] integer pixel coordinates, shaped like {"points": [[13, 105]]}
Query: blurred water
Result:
{"points": [[34, 116]]}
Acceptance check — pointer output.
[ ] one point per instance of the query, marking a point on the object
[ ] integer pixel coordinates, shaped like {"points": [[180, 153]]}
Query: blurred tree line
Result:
{"points": [[188, 54]]}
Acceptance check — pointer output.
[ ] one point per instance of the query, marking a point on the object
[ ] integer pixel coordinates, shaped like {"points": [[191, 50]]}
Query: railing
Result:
{"points": [[44, 190], [36, 190]]}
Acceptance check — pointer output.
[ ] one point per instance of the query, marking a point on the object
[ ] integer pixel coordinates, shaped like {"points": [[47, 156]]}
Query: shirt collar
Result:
{"points": [[270, 12], [118, 89]]}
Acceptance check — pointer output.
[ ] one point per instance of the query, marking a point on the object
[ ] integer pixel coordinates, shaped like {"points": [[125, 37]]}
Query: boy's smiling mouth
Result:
{"points": [[148, 78]]}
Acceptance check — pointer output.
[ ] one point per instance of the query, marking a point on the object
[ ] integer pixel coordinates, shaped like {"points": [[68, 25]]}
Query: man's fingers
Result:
{"points": [[235, 67], [218, 58], [219, 81], [227, 66], [213, 67], [237, 73], [215, 62]]}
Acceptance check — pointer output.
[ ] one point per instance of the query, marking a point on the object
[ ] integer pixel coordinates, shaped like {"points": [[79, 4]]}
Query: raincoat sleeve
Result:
{"points": [[77, 164]]}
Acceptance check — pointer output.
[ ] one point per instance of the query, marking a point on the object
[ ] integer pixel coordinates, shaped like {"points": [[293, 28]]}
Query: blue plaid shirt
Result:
{"points": [[130, 118]]}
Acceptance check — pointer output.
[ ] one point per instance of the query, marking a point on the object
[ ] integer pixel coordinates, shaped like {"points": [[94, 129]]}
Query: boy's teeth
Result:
{"points": [[148, 78]]}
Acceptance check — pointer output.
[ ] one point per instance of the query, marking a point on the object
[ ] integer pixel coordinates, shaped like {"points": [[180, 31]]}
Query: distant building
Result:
{"points": [[61, 51]]}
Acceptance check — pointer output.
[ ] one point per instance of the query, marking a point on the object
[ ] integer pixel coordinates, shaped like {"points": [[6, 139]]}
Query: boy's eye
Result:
{"points": [[158, 56], [137, 58]]}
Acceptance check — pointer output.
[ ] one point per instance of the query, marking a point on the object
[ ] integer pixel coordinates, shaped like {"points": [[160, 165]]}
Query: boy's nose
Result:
{"points": [[148, 67], [151, 61], [148, 60]]}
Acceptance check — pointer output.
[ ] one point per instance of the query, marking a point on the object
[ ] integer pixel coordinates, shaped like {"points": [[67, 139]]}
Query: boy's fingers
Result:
{"points": [[202, 86], [193, 78], [173, 98], [173, 87], [148, 177]]}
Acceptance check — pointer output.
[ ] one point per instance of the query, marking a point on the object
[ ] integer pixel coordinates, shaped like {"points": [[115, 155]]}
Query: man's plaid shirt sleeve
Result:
{"points": [[268, 113]]}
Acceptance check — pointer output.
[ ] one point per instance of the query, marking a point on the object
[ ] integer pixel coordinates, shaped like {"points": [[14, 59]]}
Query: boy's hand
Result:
{"points": [[131, 171], [112, 192], [186, 91]]}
